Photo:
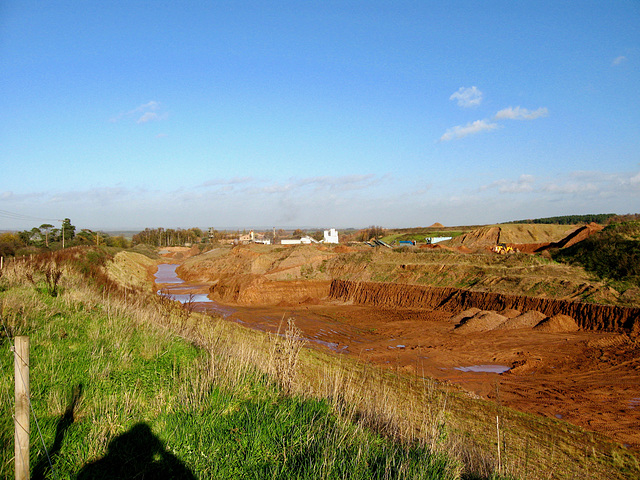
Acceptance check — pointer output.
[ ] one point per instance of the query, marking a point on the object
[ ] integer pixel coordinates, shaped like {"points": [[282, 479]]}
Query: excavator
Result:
{"points": [[502, 249]]}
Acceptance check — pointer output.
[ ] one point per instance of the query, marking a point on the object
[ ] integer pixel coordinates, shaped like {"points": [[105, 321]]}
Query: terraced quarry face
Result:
{"points": [[549, 365]]}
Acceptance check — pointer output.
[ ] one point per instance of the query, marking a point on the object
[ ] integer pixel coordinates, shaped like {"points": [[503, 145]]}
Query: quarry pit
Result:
{"points": [[573, 361]]}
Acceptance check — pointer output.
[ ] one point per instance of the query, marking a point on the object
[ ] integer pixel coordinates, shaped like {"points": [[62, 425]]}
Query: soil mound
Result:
{"points": [[481, 322], [510, 312], [483, 237], [133, 270], [581, 233], [251, 289], [468, 313], [526, 367], [437, 225], [558, 324], [527, 320]]}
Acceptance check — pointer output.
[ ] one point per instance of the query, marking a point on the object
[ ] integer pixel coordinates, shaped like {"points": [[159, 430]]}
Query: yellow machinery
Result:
{"points": [[502, 249]]}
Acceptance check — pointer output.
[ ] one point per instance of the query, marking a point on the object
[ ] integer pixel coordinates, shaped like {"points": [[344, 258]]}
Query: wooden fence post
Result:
{"points": [[21, 362]]}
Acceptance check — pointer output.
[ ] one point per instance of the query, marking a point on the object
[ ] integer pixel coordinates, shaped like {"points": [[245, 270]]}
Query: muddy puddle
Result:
{"points": [[484, 368]]}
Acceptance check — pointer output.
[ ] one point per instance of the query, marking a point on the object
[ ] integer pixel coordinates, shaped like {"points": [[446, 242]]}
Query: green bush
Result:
{"points": [[613, 253]]}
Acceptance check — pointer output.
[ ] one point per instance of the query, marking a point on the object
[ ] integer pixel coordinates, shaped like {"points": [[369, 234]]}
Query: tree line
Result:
{"points": [[600, 218], [169, 237], [49, 237]]}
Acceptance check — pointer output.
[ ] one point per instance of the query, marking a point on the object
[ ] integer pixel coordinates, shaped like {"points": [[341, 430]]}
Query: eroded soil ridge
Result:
{"points": [[588, 316]]}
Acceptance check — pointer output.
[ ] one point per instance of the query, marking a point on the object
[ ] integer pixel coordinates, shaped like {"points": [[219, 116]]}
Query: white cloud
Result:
{"points": [[618, 60], [469, 129], [467, 97], [519, 113]]}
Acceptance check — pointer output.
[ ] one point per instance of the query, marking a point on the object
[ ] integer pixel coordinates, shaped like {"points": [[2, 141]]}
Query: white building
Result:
{"points": [[331, 236], [297, 241]]}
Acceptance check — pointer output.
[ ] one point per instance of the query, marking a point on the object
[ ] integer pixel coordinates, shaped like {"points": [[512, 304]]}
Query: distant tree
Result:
{"points": [[601, 218], [318, 235], [297, 233], [86, 237], [45, 229], [68, 229], [9, 244], [369, 233], [35, 237], [116, 241]]}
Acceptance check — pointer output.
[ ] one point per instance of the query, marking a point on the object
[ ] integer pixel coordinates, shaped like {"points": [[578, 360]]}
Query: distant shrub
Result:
{"points": [[613, 253]]}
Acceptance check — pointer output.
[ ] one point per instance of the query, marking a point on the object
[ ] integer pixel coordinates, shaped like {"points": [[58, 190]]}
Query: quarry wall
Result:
{"points": [[588, 316]]}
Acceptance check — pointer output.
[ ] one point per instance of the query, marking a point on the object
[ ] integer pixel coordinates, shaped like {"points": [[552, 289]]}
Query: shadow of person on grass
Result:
{"points": [[136, 454], [43, 465]]}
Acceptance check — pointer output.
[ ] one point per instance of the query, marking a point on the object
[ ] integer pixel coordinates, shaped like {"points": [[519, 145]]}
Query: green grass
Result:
{"points": [[116, 394], [613, 253], [419, 237]]}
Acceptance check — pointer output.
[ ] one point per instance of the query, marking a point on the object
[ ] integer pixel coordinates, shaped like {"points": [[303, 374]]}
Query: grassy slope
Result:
{"points": [[117, 392], [521, 274], [613, 253]]}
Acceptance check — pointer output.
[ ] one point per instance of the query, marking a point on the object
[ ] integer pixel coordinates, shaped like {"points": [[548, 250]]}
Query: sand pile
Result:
{"points": [[558, 324], [481, 322], [511, 312], [527, 320], [459, 318], [526, 367]]}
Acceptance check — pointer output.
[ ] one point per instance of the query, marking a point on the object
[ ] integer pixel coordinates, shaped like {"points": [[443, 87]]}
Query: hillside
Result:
{"points": [[612, 254]]}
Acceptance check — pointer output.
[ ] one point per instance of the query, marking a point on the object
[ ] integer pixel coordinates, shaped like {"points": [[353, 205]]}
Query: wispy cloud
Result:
{"points": [[519, 113], [218, 182], [340, 183], [570, 188], [472, 128], [144, 113], [583, 184], [524, 184], [618, 60], [467, 97]]}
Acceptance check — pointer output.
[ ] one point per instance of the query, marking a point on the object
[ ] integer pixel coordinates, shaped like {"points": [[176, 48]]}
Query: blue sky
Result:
{"points": [[125, 115]]}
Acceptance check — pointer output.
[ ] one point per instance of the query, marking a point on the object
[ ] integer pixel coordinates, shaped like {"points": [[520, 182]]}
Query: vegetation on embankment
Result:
{"points": [[120, 377], [612, 254]]}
